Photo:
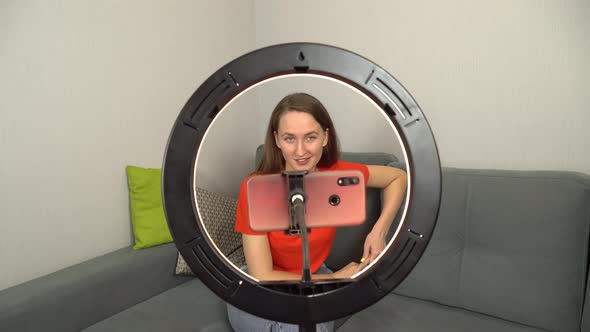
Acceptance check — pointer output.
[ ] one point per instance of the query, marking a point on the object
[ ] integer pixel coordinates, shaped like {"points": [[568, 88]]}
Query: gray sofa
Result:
{"points": [[509, 253]]}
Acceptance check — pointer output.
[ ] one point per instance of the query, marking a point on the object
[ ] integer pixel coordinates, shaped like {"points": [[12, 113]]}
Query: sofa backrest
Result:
{"points": [[511, 244]]}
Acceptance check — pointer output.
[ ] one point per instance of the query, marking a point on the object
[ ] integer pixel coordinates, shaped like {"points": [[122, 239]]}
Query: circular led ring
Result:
{"points": [[330, 301]]}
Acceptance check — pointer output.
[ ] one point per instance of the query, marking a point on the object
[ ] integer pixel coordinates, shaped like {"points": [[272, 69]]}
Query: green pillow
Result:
{"points": [[147, 213]]}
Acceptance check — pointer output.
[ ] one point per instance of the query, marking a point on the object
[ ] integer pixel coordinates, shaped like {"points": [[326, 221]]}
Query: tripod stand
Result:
{"points": [[296, 202]]}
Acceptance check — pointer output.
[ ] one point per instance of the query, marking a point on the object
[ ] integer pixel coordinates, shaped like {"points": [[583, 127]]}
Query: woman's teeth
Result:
{"points": [[302, 161]]}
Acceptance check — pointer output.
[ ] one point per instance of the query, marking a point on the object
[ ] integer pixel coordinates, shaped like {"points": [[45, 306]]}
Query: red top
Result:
{"points": [[286, 249]]}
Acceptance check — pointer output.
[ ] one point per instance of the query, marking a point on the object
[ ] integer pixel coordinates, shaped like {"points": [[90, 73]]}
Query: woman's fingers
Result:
{"points": [[366, 251], [362, 265], [351, 269]]}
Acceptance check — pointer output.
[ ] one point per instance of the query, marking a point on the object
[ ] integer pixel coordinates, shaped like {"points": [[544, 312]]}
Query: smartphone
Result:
{"points": [[334, 199]]}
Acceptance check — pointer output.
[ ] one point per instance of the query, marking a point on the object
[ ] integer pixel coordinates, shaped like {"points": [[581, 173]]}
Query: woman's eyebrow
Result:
{"points": [[307, 134]]}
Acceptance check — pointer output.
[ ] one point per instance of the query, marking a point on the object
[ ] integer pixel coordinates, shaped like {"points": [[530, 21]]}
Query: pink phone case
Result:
{"points": [[267, 201]]}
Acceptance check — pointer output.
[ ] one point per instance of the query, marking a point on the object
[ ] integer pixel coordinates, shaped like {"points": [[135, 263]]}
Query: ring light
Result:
{"points": [[281, 301]]}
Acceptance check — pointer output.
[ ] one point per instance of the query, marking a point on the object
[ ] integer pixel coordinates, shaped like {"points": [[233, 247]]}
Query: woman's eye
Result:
{"points": [[311, 138], [289, 139]]}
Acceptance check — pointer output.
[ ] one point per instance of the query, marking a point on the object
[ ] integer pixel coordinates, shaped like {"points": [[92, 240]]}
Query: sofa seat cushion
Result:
{"points": [[188, 307], [400, 313]]}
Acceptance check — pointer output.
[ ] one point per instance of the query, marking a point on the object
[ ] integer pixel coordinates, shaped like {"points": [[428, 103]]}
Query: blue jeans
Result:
{"points": [[242, 321]]}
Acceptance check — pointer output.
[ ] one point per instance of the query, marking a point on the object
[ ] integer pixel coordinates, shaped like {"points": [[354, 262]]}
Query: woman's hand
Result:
{"points": [[374, 245], [349, 270], [393, 181]]}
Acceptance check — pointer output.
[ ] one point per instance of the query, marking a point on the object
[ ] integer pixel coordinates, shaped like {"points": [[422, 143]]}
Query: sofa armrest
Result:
{"points": [[81, 295]]}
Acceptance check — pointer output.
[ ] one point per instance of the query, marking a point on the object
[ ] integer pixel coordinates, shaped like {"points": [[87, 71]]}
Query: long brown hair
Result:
{"points": [[272, 160]]}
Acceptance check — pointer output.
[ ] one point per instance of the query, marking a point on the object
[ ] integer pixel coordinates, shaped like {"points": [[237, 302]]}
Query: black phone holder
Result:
{"points": [[295, 193]]}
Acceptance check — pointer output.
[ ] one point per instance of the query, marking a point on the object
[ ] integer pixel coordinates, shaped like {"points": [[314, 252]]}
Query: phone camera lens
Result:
{"points": [[348, 181], [334, 200]]}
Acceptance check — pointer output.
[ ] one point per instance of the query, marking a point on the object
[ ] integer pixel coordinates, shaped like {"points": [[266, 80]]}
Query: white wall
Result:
{"points": [[227, 151], [504, 84], [88, 87]]}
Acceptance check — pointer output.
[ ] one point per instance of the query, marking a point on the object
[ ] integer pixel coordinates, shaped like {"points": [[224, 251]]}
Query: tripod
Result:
{"points": [[296, 202]]}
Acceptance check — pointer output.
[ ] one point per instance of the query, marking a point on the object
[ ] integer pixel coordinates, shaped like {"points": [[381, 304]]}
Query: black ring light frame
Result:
{"points": [[286, 302]]}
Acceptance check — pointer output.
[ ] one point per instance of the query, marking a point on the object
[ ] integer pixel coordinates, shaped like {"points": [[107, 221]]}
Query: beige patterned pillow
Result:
{"points": [[218, 213], [237, 257]]}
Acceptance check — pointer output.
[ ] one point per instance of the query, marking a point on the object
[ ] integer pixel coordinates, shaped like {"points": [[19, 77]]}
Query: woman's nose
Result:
{"points": [[300, 149]]}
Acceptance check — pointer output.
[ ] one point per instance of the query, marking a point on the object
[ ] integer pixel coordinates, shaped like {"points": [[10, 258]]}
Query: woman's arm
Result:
{"points": [[259, 261], [393, 181]]}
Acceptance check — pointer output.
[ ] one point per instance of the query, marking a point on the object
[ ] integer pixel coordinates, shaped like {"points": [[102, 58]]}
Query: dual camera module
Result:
{"points": [[334, 200]]}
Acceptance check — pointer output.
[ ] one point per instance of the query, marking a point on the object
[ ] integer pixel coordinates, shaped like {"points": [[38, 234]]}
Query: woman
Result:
{"points": [[301, 136]]}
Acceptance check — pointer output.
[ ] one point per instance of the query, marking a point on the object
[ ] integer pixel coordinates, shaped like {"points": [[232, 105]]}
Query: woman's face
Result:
{"points": [[301, 140]]}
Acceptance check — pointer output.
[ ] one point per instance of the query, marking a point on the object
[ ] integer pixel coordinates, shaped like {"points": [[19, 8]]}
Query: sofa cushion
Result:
{"points": [[188, 307], [218, 213], [147, 212], [182, 269], [405, 314], [511, 244]]}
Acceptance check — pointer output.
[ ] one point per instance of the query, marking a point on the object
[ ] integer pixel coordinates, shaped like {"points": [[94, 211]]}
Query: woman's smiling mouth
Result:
{"points": [[302, 161]]}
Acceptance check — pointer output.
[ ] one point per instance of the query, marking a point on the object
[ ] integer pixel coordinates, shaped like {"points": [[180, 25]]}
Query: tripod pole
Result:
{"points": [[299, 209], [297, 197]]}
